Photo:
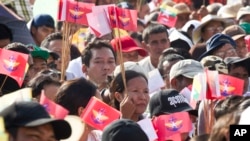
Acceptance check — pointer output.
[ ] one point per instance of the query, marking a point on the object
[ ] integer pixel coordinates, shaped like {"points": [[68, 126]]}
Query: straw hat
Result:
{"points": [[204, 21], [182, 8], [229, 11]]}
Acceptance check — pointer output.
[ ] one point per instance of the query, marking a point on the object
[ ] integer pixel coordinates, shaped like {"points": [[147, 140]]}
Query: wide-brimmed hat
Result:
{"points": [[32, 114], [234, 31], [243, 11], [204, 21], [229, 11], [182, 8], [215, 42]]}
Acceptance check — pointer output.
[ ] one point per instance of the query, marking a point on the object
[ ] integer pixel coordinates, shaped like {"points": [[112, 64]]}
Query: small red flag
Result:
{"points": [[98, 114], [213, 89], [74, 11], [57, 111], [230, 85], [166, 19], [168, 125], [13, 64], [123, 18]]}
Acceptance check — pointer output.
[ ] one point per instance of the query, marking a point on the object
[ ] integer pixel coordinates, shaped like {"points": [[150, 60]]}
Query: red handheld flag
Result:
{"points": [[98, 114], [52, 108], [123, 18], [13, 64], [166, 19], [169, 125], [230, 85], [74, 11]]}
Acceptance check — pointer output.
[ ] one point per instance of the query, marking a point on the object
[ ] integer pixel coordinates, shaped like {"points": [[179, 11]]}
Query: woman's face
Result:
{"points": [[138, 91]]}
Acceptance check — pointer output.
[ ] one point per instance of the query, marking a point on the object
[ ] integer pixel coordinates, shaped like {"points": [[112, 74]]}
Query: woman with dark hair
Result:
{"points": [[133, 101], [74, 96]]}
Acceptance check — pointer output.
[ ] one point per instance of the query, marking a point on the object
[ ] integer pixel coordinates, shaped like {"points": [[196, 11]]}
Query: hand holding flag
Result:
{"points": [[13, 64], [169, 125], [52, 108], [98, 114]]}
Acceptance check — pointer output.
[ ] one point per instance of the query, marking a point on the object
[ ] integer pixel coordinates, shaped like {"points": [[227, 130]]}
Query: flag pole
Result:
{"points": [[5, 78], [119, 55]]}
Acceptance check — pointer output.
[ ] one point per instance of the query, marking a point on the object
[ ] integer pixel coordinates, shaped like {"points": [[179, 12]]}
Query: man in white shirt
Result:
{"points": [[155, 40]]}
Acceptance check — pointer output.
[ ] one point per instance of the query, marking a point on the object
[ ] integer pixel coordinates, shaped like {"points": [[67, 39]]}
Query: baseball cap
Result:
{"points": [[188, 68], [243, 11], [31, 114], [214, 63], [246, 27], [215, 42], [234, 31], [37, 52], [53, 54], [237, 60], [127, 44], [43, 20], [130, 66], [124, 130], [168, 101]]}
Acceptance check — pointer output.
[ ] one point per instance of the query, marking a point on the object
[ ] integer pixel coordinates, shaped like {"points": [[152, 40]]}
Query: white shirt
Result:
{"points": [[75, 68], [146, 64]]}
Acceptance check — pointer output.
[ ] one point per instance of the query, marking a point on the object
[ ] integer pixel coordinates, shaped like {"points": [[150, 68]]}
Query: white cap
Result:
{"points": [[130, 66]]}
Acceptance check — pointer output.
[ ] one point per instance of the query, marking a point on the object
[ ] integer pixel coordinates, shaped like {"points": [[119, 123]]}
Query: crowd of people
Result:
{"points": [[126, 71]]}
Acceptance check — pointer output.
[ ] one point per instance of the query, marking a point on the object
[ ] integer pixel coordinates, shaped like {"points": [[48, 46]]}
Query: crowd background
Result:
{"points": [[149, 73]]}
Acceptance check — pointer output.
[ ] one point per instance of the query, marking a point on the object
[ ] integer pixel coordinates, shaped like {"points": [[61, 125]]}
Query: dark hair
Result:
{"points": [[74, 52], [5, 33], [41, 80], [96, 44], [227, 105], [168, 57], [11, 84], [117, 85], [51, 37], [153, 29], [74, 94], [136, 36], [239, 64], [18, 47]]}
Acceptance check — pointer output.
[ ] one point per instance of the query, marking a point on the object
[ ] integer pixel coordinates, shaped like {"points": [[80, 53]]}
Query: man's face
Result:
{"points": [[39, 133], [40, 33], [101, 65], [157, 43], [240, 72], [56, 46], [167, 65], [37, 65]]}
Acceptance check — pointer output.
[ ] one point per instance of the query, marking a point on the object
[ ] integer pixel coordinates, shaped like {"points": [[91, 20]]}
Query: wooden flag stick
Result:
{"points": [[119, 53], [5, 78], [65, 48]]}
